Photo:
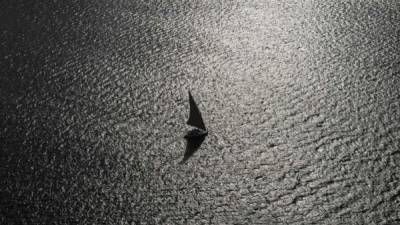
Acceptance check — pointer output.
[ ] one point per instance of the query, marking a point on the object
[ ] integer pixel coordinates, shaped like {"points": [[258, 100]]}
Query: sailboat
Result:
{"points": [[196, 136]]}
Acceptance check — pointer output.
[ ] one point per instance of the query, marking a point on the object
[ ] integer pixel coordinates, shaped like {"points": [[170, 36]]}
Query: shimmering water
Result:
{"points": [[301, 99]]}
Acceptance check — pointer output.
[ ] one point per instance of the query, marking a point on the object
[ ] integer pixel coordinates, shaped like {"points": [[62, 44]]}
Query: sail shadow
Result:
{"points": [[192, 145]]}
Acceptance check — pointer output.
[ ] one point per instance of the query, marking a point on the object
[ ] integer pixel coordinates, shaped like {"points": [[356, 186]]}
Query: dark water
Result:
{"points": [[301, 99]]}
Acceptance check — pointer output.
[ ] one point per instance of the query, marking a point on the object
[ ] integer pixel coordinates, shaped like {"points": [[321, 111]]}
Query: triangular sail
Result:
{"points": [[195, 118]]}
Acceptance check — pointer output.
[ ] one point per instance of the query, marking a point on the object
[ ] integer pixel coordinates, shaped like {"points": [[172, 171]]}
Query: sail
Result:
{"points": [[195, 118]]}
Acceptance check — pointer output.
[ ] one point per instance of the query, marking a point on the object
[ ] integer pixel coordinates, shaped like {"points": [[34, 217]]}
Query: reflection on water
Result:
{"points": [[192, 145], [300, 99]]}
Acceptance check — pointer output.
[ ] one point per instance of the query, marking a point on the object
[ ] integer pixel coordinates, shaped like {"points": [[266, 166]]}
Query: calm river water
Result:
{"points": [[301, 99]]}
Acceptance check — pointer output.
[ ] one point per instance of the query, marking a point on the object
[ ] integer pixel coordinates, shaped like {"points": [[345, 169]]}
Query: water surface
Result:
{"points": [[301, 99]]}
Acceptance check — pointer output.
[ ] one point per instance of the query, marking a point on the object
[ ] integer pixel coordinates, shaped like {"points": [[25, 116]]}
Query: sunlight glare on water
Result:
{"points": [[300, 98]]}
